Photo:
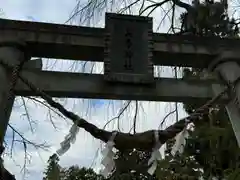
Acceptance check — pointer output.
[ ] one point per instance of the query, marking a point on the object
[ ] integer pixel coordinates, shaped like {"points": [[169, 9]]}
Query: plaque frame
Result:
{"points": [[146, 77]]}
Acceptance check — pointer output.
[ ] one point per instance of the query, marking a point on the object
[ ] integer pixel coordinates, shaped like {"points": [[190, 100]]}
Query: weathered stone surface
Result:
{"points": [[77, 85], [84, 43], [12, 56], [128, 49]]}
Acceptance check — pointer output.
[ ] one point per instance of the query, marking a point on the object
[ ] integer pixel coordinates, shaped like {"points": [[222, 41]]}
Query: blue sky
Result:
{"points": [[96, 111]]}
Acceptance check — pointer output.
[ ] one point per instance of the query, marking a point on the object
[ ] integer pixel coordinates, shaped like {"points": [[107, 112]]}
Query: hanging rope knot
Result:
{"points": [[156, 155], [108, 155]]}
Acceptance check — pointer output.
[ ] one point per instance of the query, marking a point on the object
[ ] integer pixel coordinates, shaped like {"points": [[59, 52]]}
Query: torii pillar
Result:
{"points": [[226, 65], [11, 54]]}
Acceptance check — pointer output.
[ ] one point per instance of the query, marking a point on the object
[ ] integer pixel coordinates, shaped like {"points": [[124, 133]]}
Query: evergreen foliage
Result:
{"points": [[52, 171], [132, 166]]}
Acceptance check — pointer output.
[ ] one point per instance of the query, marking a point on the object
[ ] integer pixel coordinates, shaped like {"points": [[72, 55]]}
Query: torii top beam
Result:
{"points": [[85, 43]]}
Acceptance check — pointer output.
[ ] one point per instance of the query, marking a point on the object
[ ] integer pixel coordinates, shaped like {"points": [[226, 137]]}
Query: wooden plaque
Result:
{"points": [[128, 49]]}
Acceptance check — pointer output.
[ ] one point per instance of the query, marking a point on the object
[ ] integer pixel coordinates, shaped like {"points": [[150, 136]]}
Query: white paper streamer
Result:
{"points": [[180, 142], [156, 155], [69, 138], [108, 156]]}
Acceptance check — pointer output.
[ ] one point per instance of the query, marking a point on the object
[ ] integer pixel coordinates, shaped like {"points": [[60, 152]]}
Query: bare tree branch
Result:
{"points": [[135, 118], [37, 146], [182, 4], [176, 104], [120, 113], [154, 6], [27, 114]]}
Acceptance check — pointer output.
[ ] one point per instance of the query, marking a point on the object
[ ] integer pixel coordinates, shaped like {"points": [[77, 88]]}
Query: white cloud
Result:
{"points": [[44, 10], [84, 150]]}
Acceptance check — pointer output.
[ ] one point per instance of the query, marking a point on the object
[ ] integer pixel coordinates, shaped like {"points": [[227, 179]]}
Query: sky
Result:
{"points": [[83, 152]]}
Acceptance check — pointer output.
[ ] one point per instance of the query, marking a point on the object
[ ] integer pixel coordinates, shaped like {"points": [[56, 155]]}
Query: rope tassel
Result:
{"points": [[69, 138], [156, 155]]}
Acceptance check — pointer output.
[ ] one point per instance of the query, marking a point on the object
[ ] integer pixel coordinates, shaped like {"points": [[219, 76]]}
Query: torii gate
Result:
{"points": [[129, 49]]}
